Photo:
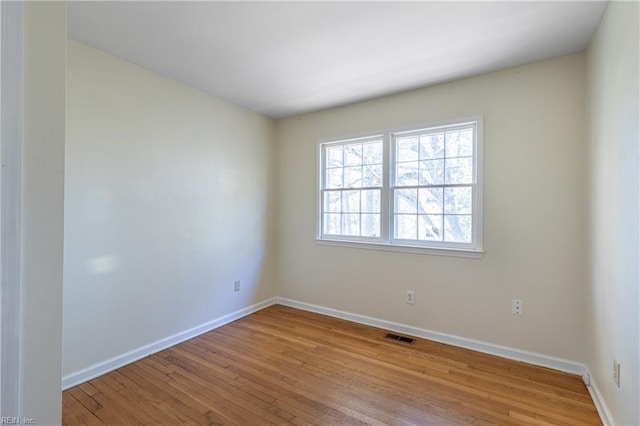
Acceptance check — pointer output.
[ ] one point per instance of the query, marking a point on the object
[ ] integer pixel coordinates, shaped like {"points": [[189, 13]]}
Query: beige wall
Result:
{"points": [[42, 219], [613, 213], [168, 202], [533, 214]]}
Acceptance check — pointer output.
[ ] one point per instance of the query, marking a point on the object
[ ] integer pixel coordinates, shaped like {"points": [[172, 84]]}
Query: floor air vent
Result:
{"points": [[403, 339]]}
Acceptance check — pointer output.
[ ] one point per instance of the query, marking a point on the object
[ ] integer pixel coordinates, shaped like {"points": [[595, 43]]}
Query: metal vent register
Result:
{"points": [[403, 339]]}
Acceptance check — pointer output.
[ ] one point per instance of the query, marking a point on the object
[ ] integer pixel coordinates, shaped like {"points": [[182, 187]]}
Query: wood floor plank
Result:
{"points": [[77, 412], [286, 366], [86, 400]]}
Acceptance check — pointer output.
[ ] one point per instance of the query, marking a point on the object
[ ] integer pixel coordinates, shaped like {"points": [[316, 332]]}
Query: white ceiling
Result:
{"points": [[286, 58]]}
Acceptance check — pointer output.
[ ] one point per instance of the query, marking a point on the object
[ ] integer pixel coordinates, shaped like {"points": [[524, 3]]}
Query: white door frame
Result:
{"points": [[11, 14]]}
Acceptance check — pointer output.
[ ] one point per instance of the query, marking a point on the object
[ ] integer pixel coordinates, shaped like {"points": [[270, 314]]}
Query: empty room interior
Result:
{"points": [[399, 213]]}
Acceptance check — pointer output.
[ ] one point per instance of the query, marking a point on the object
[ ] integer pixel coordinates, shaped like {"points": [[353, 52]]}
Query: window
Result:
{"points": [[352, 189], [416, 189]]}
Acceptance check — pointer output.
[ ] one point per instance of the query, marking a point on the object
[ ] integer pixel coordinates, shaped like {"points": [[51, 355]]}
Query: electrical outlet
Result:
{"points": [[236, 286], [517, 307], [616, 373], [410, 297]]}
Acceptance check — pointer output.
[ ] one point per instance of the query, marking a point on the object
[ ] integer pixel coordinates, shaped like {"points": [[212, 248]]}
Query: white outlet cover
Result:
{"points": [[616, 372], [517, 307], [410, 297]]}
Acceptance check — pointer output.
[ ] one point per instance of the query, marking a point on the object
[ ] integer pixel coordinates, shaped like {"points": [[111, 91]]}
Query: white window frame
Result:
{"points": [[386, 240]]}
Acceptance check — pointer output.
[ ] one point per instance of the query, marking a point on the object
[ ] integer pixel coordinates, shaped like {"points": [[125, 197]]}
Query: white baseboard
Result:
{"points": [[104, 367], [599, 402]]}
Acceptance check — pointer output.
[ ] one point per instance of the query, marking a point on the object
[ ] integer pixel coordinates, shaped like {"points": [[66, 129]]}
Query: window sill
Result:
{"points": [[475, 254]]}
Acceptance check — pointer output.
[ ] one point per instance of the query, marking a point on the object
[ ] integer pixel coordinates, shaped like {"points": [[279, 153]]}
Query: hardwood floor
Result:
{"points": [[286, 366]]}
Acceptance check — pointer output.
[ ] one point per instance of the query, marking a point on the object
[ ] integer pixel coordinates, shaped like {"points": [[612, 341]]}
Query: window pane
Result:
{"points": [[372, 175], [431, 146], [370, 225], [460, 143], [353, 177], [407, 174], [334, 178], [351, 201], [430, 227], [332, 201], [430, 200], [431, 172], [457, 228], [459, 171], [353, 154], [407, 149], [332, 224], [334, 156], [351, 224], [406, 201], [406, 227], [372, 153], [371, 201], [457, 200]]}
